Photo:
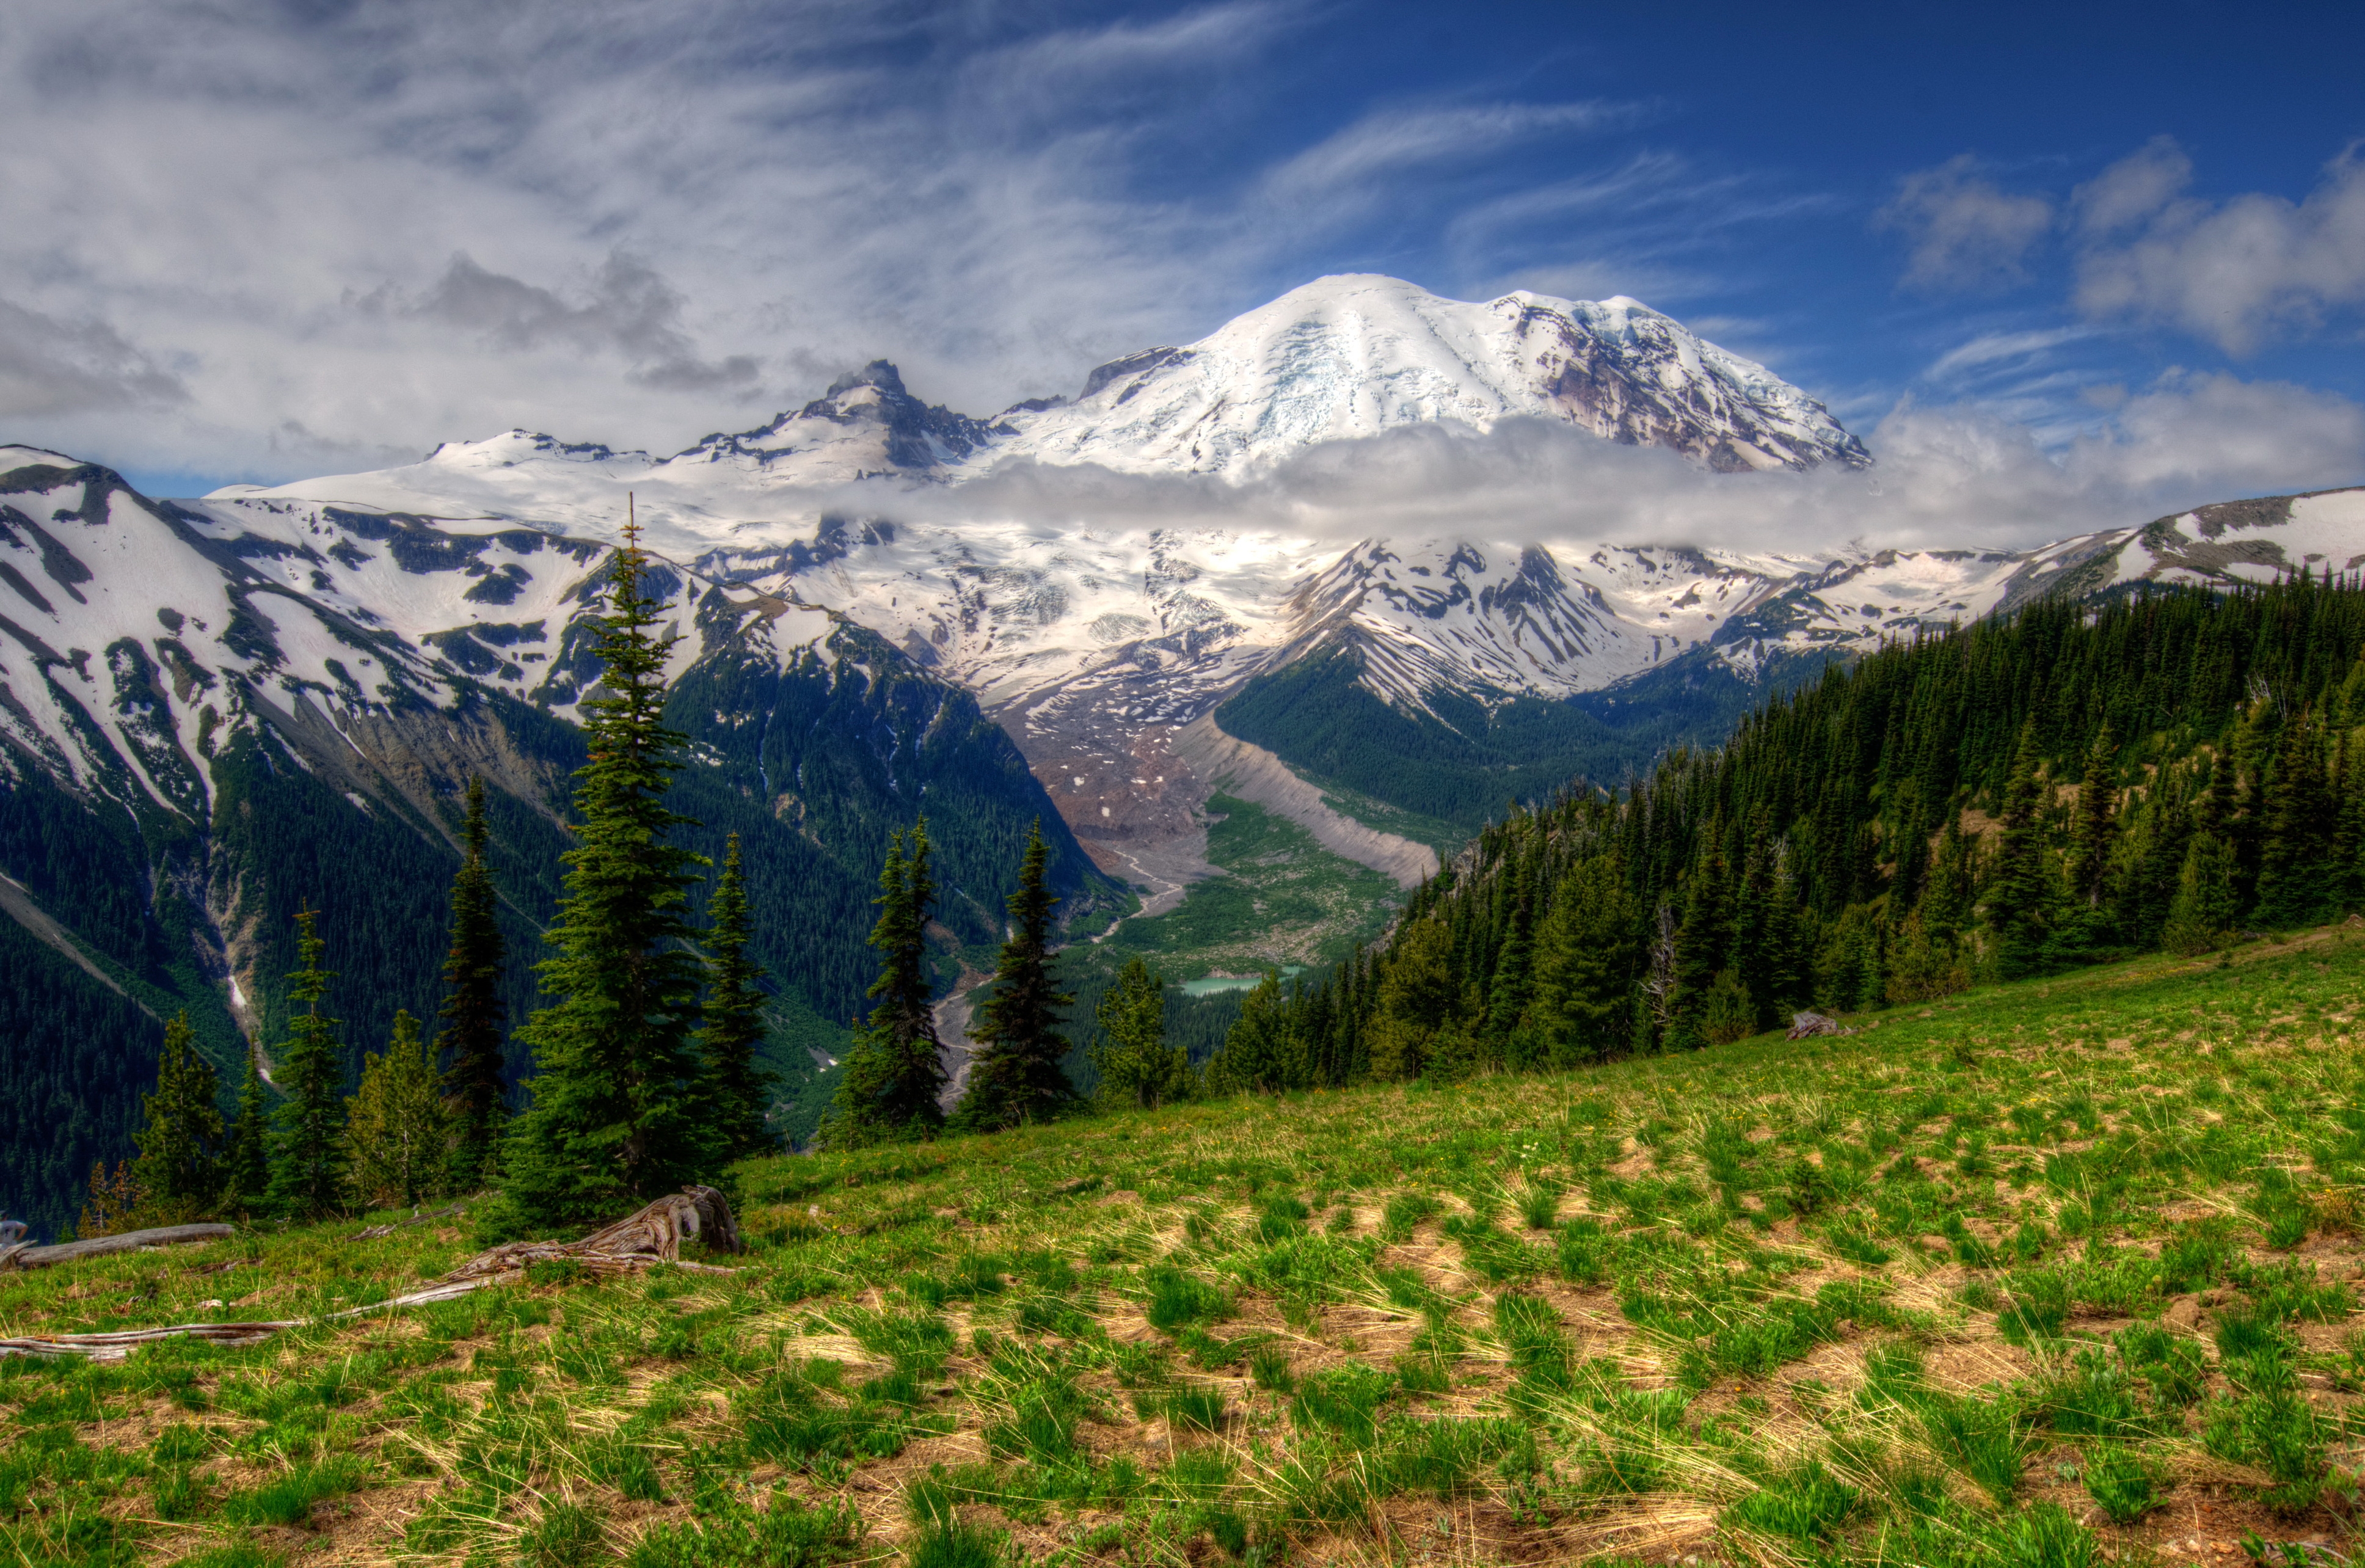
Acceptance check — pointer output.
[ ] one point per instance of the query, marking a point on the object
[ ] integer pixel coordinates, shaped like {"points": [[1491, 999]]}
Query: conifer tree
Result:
{"points": [[396, 1126], [1015, 1075], [1137, 1066], [1946, 901], [1702, 942], [308, 1159], [611, 1122], [246, 1168], [1586, 955], [2092, 855], [2297, 832], [475, 1017], [2016, 893], [1510, 987], [894, 1071], [177, 1173], [1263, 1052], [2203, 911], [737, 1087]]}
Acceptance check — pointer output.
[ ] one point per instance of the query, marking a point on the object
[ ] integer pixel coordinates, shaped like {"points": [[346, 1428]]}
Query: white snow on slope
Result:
{"points": [[128, 630]]}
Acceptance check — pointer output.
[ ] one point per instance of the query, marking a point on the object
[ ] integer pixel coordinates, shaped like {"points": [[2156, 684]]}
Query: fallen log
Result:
{"points": [[638, 1242], [22, 1257]]}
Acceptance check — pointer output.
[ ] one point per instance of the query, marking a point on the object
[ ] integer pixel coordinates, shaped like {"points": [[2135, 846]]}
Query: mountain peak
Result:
{"points": [[878, 373], [1352, 354]]}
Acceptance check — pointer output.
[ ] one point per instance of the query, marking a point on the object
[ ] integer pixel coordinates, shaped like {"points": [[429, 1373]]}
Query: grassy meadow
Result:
{"points": [[2057, 1274]]}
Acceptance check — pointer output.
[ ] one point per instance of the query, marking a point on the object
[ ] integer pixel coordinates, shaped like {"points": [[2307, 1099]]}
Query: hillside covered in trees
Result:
{"points": [[2073, 784]]}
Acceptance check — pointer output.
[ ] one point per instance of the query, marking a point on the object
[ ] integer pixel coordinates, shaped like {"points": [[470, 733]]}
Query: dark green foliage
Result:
{"points": [[307, 1158], [246, 1163], [76, 1053], [1137, 1066], [475, 1018], [1828, 854], [178, 1169], [611, 1122], [892, 1073], [736, 1089], [1015, 1076]]}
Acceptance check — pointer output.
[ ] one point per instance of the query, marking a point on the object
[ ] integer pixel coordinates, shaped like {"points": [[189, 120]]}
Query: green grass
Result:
{"points": [[2029, 1276]]}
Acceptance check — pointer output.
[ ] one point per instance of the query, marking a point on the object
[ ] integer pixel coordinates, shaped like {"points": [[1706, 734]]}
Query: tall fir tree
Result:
{"points": [[474, 1018], [2016, 894], [613, 1122], [893, 1070], [397, 1128], [1015, 1074], [246, 1167], [308, 1159], [737, 1087], [2296, 884], [2091, 853], [178, 1172]]}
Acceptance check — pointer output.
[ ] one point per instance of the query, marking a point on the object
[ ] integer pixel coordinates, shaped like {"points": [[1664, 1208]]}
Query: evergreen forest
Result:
{"points": [[2067, 785]]}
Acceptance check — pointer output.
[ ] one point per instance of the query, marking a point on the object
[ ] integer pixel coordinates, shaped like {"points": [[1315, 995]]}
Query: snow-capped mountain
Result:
{"points": [[1344, 358], [1092, 642]]}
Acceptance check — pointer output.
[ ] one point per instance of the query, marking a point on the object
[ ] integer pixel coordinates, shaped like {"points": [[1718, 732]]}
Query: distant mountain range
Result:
{"points": [[215, 709]]}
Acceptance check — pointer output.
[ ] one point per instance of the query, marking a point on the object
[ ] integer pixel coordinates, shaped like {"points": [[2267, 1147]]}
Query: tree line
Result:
{"points": [[2068, 785]]}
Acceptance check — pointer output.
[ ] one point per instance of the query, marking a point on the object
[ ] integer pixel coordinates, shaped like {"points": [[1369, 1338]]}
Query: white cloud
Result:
{"points": [[1963, 230], [52, 367], [2131, 189], [2235, 273], [1947, 478]]}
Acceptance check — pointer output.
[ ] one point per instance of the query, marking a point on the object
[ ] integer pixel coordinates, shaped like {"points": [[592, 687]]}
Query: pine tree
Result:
{"points": [[737, 1087], [2295, 883], [396, 1126], [2016, 893], [1946, 901], [894, 1070], [1137, 1066], [308, 1159], [1586, 955], [1015, 1075], [1703, 942], [475, 1017], [611, 1122], [1513, 980], [178, 1172], [246, 1168], [2091, 859], [1263, 1052], [2203, 911]]}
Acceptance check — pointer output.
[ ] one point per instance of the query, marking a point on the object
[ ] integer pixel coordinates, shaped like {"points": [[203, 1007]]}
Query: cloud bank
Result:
{"points": [[1946, 477]]}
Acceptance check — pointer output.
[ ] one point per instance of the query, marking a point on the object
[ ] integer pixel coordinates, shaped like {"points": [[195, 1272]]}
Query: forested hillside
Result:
{"points": [[158, 840], [2070, 784]]}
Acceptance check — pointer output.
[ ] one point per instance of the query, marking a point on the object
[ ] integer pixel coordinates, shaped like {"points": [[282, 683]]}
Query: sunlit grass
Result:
{"points": [[2027, 1275]]}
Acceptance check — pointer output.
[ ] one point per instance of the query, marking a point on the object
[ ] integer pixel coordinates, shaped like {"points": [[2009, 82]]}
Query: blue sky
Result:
{"points": [[259, 241]]}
